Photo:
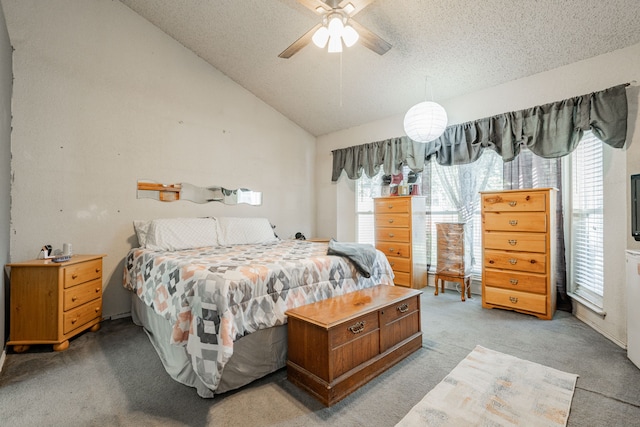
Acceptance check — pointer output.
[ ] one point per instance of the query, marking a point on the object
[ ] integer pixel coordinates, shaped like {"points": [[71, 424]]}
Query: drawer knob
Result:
{"points": [[491, 261], [392, 264], [390, 206], [390, 220], [513, 203], [74, 276], [513, 242], [403, 308], [392, 250], [513, 222], [514, 281], [74, 299], [97, 270], [391, 235], [513, 299], [357, 328], [513, 261], [73, 321], [533, 261], [97, 309], [97, 290]]}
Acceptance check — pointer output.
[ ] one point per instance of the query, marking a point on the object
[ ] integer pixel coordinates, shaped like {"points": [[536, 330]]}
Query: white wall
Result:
{"points": [[5, 162], [575, 79], [102, 98]]}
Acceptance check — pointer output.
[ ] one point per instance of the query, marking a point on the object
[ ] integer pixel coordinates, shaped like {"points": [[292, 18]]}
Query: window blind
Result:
{"points": [[587, 220]]}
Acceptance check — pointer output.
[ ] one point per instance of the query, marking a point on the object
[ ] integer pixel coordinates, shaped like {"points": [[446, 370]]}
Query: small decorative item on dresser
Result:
{"points": [[51, 302]]}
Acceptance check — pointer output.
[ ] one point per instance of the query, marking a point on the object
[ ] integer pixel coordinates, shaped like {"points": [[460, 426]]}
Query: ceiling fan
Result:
{"points": [[337, 27]]}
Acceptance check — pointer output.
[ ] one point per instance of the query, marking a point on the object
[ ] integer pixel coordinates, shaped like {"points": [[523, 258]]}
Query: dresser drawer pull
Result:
{"points": [[533, 261], [491, 261], [513, 261], [513, 222], [390, 220], [97, 290], [513, 299], [391, 235], [513, 242], [390, 206], [97, 270], [513, 203], [73, 322], [74, 299], [392, 250], [403, 308], [392, 264], [74, 276], [357, 328], [97, 309], [514, 281]]}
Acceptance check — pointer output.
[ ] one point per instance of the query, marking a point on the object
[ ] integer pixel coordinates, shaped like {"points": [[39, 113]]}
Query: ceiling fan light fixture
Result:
{"points": [[321, 37], [349, 8], [336, 26], [350, 35], [425, 122], [335, 44]]}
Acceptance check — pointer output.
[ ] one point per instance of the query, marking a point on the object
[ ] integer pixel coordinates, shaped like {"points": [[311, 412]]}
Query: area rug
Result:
{"points": [[489, 388]]}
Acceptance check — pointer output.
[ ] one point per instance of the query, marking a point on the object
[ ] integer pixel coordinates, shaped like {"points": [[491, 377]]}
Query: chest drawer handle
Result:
{"points": [[392, 264], [403, 308], [391, 235], [513, 222], [97, 270], [513, 203], [533, 261], [513, 261], [74, 299], [390, 220], [73, 321], [513, 242], [514, 281], [358, 327], [97, 290], [74, 276], [390, 206], [491, 261], [392, 250], [513, 299], [97, 309]]}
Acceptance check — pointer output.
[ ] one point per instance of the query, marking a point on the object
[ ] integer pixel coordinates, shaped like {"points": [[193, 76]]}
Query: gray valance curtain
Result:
{"points": [[550, 131]]}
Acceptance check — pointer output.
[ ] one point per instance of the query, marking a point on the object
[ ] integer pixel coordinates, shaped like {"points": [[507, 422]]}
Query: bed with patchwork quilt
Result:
{"points": [[215, 313]]}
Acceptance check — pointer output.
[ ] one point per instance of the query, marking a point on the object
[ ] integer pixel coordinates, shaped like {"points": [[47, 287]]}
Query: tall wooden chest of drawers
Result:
{"points": [[400, 223], [454, 256], [51, 302], [519, 249], [338, 344]]}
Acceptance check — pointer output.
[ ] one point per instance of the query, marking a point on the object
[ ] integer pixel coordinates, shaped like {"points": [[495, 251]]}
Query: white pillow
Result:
{"points": [[142, 229], [244, 231], [172, 234]]}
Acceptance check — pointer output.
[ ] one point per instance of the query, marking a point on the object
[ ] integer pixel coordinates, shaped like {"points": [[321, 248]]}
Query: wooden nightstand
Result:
{"points": [[51, 302]]}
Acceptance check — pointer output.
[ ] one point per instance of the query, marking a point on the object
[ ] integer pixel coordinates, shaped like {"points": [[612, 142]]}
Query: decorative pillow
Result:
{"points": [[244, 231], [142, 229], [172, 234]]}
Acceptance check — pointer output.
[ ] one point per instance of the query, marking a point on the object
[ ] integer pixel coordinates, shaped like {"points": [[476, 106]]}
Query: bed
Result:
{"points": [[211, 294]]}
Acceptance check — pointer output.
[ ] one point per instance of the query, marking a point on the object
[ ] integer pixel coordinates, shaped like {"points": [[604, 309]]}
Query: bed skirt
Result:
{"points": [[254, 356]]}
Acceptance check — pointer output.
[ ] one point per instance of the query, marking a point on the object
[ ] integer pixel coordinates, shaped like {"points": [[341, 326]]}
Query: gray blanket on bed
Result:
{"points": [[362, 255]]}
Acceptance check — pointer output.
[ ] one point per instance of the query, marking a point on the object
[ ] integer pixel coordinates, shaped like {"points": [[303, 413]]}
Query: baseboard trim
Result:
{"points": [[595, 327]]}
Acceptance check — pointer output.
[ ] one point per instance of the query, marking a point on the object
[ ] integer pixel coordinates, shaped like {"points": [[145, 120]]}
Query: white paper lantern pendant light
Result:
{"points": [[425, 122]]}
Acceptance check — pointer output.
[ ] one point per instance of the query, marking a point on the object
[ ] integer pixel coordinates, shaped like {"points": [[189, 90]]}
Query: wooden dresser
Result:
{"points": [[519, 245], [51, 302], [338, 344], [401, 235], [454, 257]]}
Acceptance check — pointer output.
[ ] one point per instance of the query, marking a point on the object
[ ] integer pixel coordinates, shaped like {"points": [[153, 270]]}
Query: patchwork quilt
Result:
{"points": [[215, 295]]}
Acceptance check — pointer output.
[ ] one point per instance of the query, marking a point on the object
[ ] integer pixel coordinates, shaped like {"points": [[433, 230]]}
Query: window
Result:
{"points": [[452, 196], [587, 237]]}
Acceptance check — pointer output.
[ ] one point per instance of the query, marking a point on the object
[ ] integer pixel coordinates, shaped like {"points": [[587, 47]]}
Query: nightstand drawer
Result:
{"points": [[535, 303], [78, 295], [82, 272], [529, 242], [84, 314]]}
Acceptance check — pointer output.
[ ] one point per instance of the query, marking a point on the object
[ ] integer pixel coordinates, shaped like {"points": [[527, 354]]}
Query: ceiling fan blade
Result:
{"points": [[370, 40], [314, 5], [304, 40], [357, 4]]}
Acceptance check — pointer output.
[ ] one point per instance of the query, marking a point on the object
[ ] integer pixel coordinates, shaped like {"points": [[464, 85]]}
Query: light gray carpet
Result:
{"points": [[114, 377]]}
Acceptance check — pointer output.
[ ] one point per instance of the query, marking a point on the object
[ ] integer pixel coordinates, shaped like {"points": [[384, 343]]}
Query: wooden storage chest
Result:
{"points": [[337, 345]]}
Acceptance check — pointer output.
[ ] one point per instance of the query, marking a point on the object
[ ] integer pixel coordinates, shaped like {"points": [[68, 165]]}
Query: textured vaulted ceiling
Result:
{"points": [[461, 45]]}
